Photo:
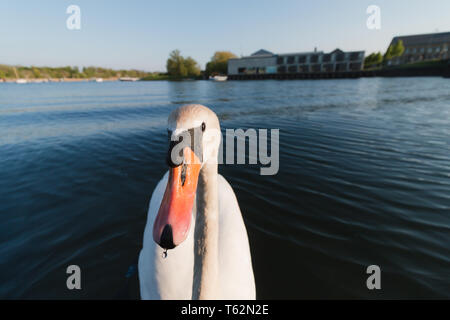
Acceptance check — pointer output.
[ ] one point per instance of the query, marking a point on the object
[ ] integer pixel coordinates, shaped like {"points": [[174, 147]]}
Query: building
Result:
{"points": [[422, 47], [261, 61], [265, 62]]}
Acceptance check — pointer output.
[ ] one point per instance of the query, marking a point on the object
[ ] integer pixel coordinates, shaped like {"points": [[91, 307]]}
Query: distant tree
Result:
{"points": [[58, 73], [398, 49], [175, 64], [219, 62], [89, 71], [180, 67], [374, 59], [36, 72], [388, 54], [192, 67], [394, 50], [378, 58], [10, 73]]}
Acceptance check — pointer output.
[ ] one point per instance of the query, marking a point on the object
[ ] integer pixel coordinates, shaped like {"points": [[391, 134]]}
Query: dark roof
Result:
{"points": [[262, 52], [423, 39], [298, 53], [336, 51]]}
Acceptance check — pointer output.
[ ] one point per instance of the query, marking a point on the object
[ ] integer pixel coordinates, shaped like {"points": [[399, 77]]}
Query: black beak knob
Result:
{"points": [[166, 241]]}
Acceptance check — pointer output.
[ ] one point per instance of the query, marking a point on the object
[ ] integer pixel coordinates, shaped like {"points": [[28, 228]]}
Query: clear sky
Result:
{"points": [[140, 34]]}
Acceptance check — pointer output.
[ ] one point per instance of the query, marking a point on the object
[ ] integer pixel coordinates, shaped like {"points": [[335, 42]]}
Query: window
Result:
{"points": [[341, 67], [241, 70], [414, 50], [354, 56], [340, 57], [355, 66], [281, 69], [314, 58], [316, 68], [326, 58], [422, 50], [328, 67], [438, 49], [271, 69], [430, 50], [261, 70], [302, 59], [304, 68], [290, 59], [280, 60], [292, 69]]}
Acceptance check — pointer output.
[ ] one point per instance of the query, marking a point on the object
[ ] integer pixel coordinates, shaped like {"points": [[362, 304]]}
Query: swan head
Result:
{"points": [[194, 140]]}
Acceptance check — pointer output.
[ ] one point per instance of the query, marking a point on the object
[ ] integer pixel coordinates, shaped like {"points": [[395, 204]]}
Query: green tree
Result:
{"points": [[175, 65], [10, 73], [180, 67], [394, 50], [36, 72], [398, 49], [374, 59], [89, 71], [193, 70], [219, 62], [388, 54]]}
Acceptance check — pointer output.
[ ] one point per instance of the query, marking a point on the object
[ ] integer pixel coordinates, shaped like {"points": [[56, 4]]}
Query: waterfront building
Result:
{"points": [[422, 47], [266, 62]]}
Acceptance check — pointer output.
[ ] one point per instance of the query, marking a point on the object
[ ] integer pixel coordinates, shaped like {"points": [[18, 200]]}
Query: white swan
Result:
{"points": [[194, 212]]}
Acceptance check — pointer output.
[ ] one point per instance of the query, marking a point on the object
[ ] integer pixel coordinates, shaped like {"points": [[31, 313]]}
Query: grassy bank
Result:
{"points": [[423, 64], [416, 65]]}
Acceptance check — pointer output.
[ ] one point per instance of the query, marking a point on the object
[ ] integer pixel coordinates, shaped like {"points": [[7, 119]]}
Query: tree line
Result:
{"points": [[12, 72], [377, 59], [178, 67], [181, 67]]}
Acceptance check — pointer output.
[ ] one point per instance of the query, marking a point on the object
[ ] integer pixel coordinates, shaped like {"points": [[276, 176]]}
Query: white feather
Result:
{"points": [[172, 277]]}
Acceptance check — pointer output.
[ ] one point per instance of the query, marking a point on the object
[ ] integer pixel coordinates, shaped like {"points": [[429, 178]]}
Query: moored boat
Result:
{"points": [[218, 78], [128, 79]]}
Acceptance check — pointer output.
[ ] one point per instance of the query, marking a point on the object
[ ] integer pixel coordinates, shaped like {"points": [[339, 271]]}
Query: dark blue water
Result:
{"points": [[364, 179]]}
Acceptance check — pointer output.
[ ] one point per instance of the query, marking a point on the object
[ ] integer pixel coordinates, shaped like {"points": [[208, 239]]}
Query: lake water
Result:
{"points": [[364, 180]]}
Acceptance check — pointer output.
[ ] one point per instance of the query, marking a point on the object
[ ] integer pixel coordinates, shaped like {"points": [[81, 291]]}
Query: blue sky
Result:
{"points": [[141, 34]]}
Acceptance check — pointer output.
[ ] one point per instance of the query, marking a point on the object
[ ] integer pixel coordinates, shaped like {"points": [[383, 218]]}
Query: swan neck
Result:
{"points": [[206, 235]]}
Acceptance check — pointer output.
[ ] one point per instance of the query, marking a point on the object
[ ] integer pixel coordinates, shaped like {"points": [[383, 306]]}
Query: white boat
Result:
{"points": [[20, 81], [98, 79], [128, 79], [218, 78]]}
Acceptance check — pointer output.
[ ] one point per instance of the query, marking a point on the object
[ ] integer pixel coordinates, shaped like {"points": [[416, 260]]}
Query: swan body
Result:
{"points": [[214, 261]]}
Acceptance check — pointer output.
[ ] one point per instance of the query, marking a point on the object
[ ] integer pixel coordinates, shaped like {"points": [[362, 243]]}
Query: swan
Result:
{"points": [[194, 214]]}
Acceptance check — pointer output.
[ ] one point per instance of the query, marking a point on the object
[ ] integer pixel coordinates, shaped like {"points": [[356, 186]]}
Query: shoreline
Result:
{"points": [[46, 80], [432, 71]]}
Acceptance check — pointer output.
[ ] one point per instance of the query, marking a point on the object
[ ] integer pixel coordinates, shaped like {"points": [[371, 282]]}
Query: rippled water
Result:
{"points": [[364, 179]]}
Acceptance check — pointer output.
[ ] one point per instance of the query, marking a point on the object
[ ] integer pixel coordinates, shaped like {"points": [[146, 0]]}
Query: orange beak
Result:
{"points": [[172, 223]]}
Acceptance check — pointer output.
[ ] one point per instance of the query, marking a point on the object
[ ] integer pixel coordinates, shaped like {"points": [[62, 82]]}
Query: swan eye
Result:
{"points": [[203, 127]]}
